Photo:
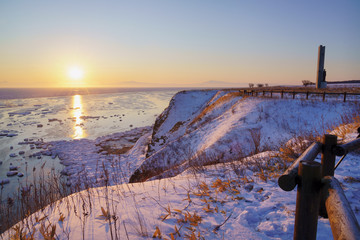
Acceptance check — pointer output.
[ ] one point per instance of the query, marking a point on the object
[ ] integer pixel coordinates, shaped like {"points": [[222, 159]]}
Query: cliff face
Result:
{"points": [[178, 132], [169, 126], [205, 127]]}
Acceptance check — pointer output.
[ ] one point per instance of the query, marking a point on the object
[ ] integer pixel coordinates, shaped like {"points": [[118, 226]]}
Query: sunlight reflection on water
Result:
{"points": [[77, 113]]}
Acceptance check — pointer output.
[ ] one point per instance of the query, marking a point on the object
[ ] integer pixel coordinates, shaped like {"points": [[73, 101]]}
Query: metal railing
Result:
{"points": [[319, 192]]}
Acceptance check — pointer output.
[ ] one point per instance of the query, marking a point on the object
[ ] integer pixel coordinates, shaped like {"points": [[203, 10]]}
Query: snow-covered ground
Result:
{"points": [[183, 198]]}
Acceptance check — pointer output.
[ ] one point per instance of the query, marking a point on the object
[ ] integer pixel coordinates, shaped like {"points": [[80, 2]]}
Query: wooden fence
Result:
{"points": [[305, 94], [319, 192]]}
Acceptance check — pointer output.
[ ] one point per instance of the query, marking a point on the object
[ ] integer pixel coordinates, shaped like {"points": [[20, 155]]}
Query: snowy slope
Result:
{"points": [[227, 126], [214, 204], [236, 199]]}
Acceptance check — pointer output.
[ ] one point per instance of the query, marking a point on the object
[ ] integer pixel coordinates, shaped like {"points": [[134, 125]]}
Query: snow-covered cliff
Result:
{"points": [[205, 127]]}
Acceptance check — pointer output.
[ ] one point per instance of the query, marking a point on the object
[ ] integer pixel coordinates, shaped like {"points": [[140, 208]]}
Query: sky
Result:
{"points": [[176, 43]]}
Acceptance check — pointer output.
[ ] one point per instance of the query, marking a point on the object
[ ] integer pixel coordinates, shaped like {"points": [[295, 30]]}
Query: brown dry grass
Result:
{"points": [[176, 126], [227, 97]]}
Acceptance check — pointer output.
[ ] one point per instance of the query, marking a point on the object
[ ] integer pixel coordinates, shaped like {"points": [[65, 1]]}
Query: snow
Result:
{"points": [[229, 199], [232, 125]]}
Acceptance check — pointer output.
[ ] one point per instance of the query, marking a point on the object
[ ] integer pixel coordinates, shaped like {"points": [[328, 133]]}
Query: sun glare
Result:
{"points": [[75, 73], [77, 117]]}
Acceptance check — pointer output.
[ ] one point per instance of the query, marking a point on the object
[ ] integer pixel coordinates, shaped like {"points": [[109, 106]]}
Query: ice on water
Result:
{"points": [[26, 123]]}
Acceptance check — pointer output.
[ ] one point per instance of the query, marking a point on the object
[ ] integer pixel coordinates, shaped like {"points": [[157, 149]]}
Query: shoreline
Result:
{"points": [[26, 93], [61, 119]]}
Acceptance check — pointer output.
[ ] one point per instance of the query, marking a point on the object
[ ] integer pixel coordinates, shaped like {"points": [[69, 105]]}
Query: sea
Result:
{"points": [[46, 115]]}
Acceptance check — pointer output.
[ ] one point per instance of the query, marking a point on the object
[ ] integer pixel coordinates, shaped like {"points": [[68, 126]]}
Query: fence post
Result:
{"points": [[307, 95], [282, 93], [307, 200], [344, 96], [271, 93], [293, 94], [328, 164], [324, 96]]}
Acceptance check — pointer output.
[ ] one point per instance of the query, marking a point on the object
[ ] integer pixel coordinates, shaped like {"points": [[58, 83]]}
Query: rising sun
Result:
{"points": [[75, 73]]}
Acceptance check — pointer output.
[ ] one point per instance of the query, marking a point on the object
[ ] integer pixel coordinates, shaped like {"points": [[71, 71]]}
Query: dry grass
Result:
{"points": [[43, 190], [255, 134], [176, 127], [349, 124], [46, 193], [223, 99]]}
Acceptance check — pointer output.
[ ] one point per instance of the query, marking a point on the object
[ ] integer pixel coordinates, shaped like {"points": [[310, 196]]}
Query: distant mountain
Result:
{"points": [[135, 83], [207, 84], [221, 84]]}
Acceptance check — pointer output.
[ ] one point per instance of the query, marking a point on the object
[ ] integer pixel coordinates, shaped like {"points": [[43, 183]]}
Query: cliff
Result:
{"points": [[205, 127]]}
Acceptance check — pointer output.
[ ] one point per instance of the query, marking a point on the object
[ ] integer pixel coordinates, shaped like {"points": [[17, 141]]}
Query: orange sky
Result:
{"points": [[175, 43]]}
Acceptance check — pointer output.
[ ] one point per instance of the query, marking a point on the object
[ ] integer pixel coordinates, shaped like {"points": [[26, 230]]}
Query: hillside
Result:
{"points": [[207, 169], [205, 127]]}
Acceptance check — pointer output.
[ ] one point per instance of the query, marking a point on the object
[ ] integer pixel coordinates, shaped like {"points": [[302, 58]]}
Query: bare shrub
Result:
{"points": [[307, 83], [256, 138]]}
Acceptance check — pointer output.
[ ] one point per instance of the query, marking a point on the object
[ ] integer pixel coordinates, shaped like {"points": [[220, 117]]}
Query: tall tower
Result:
{"points": [[321, 73]]}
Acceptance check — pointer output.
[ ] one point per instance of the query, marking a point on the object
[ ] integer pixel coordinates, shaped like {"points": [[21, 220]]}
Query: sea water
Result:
{"points": [[31, 115]]}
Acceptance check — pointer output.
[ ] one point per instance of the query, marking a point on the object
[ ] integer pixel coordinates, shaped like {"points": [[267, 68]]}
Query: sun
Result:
{"points": [[75, 73]]}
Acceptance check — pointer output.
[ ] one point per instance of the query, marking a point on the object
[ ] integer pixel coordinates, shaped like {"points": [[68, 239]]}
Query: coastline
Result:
{"points": [[26, 121], [24, 93]]}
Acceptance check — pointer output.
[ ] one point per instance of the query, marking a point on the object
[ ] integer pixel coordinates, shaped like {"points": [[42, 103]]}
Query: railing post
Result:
{"points": [[328, 164], [307, 200]]}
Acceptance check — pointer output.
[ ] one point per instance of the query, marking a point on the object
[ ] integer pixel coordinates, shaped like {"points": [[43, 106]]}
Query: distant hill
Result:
{"points": [[215, 84], [206, 84]]}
